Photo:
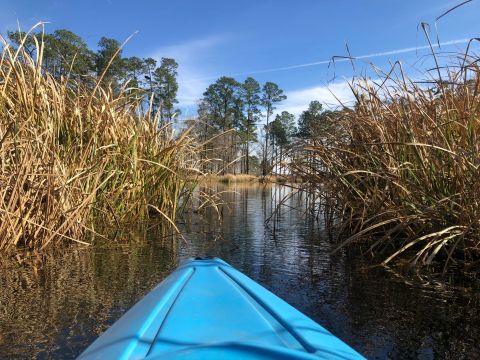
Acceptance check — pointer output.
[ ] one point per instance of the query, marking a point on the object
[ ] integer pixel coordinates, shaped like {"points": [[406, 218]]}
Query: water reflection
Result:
{"points": [[57, 310]]}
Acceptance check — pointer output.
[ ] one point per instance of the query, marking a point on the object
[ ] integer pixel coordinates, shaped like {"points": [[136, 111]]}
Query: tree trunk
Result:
{"points": [[280, 162], [265, 155], [247, 160]]}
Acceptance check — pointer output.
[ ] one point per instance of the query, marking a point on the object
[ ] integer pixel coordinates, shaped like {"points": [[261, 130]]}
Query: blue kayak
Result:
{"points": [[208, 310]]}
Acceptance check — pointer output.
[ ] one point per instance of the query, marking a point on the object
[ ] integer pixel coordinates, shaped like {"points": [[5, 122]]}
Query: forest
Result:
{"points": [[240, 131], [307, 151], [396, 170]]}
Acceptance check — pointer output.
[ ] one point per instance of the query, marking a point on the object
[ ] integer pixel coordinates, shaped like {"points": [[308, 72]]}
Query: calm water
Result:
{"points": [[57, 307]]}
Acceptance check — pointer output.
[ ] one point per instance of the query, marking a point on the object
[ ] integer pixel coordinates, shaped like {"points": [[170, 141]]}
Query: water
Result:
{"points": [[56, 307]]}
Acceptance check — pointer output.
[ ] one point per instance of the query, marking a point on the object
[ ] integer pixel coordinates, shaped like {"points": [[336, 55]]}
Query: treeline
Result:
{"points": [[229, 115], [237, 125], [66, 55], [77, 157]]}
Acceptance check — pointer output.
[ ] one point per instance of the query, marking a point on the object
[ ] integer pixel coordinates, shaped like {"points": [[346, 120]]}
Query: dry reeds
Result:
{"points": [[404, 165], [229, 178], [73, 153]]}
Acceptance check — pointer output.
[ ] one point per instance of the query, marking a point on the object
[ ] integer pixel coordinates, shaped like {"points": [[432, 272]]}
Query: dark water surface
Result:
{"points": [[57, 308]]}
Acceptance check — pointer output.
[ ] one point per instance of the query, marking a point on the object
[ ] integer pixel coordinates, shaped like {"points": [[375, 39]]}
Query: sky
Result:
{"points": [[287, 42]]}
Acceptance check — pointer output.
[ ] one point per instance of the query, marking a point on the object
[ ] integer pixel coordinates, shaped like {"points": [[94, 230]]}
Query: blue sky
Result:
{"points": [[265, 38]]}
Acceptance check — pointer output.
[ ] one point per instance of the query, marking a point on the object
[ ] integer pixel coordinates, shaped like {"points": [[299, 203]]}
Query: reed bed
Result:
{"points": [[229, 178], [404, 166], [246, 178], [75, 154]]}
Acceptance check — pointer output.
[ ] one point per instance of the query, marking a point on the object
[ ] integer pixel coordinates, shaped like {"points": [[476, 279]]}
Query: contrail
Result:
{"points": [[324, 62]]}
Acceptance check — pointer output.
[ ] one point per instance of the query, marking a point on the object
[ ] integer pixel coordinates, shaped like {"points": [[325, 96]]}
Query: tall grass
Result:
{"points": [[73, 155], [229, 178], [404, 165]]}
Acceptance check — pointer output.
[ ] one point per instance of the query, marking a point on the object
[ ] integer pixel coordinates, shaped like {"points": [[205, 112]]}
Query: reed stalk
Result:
{"points": [[74, 153], [404, 166]]}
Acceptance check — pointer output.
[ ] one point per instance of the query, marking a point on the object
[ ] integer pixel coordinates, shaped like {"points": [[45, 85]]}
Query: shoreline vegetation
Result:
{"points": [[398, 170], [228, 178], [403, 166], [75, 152], [244, 178], [397, 173]]}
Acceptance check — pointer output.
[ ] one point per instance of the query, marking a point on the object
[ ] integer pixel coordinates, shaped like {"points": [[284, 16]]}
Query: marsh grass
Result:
{"points": [[404, 166], [74, 153], [228, 178]]}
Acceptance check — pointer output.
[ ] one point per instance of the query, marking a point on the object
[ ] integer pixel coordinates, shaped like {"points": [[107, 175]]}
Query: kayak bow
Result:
{"points": [[208, 310]]}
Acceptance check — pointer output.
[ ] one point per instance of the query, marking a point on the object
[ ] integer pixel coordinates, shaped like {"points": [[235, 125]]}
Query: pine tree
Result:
{"points": [[272, 95], [250, 93], [165, 88]]}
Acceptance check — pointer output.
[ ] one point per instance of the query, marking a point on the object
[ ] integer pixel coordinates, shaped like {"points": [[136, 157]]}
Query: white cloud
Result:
{"points": [[329, 95], [193, 63], [196, 72]]}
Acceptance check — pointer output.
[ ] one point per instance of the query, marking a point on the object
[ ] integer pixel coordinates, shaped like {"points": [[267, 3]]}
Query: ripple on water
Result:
{"points": [[57, 311]]}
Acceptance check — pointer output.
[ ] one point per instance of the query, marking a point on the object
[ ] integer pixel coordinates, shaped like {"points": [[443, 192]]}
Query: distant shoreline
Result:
{"points": [[244, 178]]}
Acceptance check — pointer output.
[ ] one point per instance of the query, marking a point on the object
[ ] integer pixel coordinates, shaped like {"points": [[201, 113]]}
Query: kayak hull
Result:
{"points": [[207, 309]]}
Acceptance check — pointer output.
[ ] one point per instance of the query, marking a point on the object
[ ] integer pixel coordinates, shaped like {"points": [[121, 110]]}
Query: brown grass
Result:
{"points": [[72, 155], [229, 178], [404, 166]]}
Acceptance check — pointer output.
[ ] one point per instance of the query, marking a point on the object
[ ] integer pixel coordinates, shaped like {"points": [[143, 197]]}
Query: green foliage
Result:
{"points": [[19, 37], [310, 119], [108, 60], [250, 94], [71, 155], [150, 65], [134, 68], [236, 108], [316, 122], [282, 129], [67, 54], [165, 88], [220, 99], [272, 95]]}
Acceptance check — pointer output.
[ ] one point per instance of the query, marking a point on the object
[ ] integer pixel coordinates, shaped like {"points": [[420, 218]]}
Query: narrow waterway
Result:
{"points": [[56, 308]]}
